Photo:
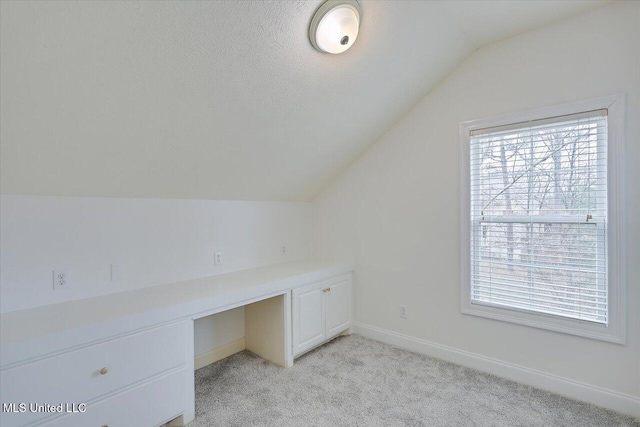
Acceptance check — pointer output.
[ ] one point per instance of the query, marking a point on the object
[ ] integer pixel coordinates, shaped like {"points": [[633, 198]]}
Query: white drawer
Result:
{"points": [[75, 377], [147, 405]]}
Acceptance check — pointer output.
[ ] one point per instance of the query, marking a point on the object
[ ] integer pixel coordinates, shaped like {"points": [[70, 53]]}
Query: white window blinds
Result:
{"points": [[539, 216]]}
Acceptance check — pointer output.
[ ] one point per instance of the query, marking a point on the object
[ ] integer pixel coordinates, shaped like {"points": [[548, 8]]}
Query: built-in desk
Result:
{"points": [[115, 352]]}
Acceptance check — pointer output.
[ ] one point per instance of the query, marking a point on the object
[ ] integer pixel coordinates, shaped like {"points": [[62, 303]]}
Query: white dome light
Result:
{"points": [[334, 27]]}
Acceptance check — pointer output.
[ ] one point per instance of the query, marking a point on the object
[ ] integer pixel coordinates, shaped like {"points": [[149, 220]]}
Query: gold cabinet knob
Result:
{"points": [[326, 289], [104, 370], [104, 425]]}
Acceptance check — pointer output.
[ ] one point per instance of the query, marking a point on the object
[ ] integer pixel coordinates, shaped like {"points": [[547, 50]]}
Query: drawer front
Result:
{"points": [[147, 405], [76, 377]]}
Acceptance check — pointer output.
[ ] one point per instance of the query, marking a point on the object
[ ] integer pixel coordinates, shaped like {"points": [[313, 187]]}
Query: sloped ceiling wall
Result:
{"points": [[218, 100]]}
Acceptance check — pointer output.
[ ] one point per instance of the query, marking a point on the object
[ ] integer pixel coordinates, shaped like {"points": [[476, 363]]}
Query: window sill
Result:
{"points": [[544, 321]]}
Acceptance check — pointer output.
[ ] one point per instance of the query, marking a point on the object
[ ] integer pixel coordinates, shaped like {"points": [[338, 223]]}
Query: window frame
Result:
{"points": [[615, 330]]}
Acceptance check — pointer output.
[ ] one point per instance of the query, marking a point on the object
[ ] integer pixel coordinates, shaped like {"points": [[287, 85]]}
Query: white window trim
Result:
{"points": [[615, 330]]}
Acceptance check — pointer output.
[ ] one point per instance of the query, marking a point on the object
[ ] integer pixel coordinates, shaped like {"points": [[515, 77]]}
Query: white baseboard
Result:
{"points": [[218, 353], [609, 399]]}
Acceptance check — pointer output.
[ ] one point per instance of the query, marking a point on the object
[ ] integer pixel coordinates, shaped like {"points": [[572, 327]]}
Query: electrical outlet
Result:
{"points": [[218, 258], [117, 272], [61, 280], [284, 250], [404, 313]]}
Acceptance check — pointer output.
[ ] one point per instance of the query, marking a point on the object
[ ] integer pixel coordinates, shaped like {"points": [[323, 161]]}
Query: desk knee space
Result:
{"points": [[268, 329]]}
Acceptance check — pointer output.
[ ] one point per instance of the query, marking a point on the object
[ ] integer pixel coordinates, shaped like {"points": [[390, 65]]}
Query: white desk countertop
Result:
{"points": [[37, 332]]}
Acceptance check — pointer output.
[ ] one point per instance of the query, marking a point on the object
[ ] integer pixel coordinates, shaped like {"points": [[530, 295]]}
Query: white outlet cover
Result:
{"points": [[117, 272], [404, 313], [218, 258], [61, 280]]}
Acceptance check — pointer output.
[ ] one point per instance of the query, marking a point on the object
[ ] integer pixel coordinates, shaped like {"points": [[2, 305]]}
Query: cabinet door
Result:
{"points": [[308, 317], [338, 306]]}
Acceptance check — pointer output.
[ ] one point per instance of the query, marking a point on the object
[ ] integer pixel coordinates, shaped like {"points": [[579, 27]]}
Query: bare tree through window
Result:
{"points": [[538, 205]]}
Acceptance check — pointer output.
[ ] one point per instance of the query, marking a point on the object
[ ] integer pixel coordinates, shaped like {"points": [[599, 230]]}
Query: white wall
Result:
{"points": [[218, 329], [157, 241], [395, 211]]}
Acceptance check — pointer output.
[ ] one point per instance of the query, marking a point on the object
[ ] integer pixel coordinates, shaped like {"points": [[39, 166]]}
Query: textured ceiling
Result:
{"points": [[218, 100]]}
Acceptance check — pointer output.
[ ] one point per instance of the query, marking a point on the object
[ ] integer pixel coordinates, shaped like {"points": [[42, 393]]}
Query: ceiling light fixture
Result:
{"points": [[334, 27]]}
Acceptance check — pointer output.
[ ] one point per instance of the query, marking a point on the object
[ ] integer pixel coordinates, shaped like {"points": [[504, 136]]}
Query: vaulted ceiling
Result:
{"points": [[221, 99]]}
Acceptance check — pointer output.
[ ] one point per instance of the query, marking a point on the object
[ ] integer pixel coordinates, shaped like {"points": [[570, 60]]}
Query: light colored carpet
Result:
{"points": [[354, 381]]}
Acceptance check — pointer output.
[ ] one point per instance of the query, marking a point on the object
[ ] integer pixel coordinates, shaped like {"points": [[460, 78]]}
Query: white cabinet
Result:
{"points": [[131, 369], [320, 311], [130, 358]]}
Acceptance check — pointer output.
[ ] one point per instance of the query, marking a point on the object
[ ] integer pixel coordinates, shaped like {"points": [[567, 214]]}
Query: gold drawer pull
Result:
{"points": [[326, 289], [104, 425], [104, 371]]}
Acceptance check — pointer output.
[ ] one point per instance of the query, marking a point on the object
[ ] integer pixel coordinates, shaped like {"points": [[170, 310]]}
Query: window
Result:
{"points": [[539, 198]]}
